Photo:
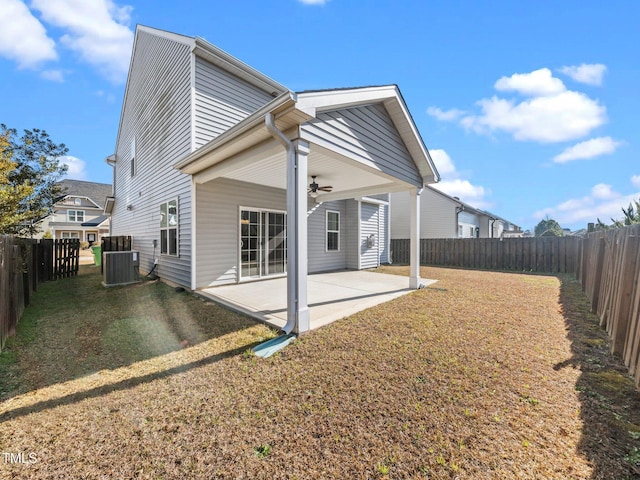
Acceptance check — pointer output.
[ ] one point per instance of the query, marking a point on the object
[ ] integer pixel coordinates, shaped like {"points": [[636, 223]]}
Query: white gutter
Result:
{"points": [[292, 254], [189, 163]]}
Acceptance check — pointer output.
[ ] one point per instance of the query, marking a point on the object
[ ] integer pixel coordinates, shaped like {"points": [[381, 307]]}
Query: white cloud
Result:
{"points": [[591, 74], [635, 181], [445, 115], [556, 118], [443, 162], [22, 37], [549, 113], [537, 83], [588, 149], [452, 184], [109, 97], [474, 195], [602, 191], [53, 75], [76, 167], [98, 31], [602, 202]]}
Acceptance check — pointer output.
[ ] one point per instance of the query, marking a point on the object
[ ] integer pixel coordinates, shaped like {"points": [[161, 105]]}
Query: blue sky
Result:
{"points": [[529, 108]]}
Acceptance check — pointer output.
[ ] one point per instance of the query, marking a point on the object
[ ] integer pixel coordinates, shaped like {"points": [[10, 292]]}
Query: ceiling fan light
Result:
{"points": [[313, 194]]}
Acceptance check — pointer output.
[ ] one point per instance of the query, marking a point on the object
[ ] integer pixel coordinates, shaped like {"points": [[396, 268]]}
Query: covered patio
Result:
{"points": [[331, 296], [362, 142]]}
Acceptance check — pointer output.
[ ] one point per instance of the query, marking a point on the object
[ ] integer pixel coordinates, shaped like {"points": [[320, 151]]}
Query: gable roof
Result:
{"points": [[313, 102], [465, 206], [95, 221], [96, 192], [470, 208], [202, 48], [292, 108]]}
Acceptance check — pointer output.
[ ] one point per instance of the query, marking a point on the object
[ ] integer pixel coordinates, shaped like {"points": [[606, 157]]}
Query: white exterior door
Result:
{"points": [[263, 243]]}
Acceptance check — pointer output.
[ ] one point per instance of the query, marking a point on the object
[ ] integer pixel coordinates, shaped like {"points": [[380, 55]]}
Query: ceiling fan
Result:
{"points": [[315, 189]]}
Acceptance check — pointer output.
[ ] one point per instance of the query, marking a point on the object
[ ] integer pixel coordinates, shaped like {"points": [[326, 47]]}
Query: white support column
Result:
{"points": [[297, 268], [414, 235]]}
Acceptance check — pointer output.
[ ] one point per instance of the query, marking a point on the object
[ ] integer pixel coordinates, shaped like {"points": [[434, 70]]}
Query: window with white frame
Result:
{"points": [[70, 235], [133, 157], [169, 227], [75, 215], [333, 231], [460, 233]]}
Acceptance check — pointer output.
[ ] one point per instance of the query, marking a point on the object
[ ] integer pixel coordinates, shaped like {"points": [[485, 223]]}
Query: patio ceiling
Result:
{"points": [[265, 163], [248, 152], [347, 177]]}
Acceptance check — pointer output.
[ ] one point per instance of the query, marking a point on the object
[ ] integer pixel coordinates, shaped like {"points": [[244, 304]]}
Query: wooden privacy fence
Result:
{"points": [[120, 243], [536, 254], [67, 257], [610, 276], [24, 264]]}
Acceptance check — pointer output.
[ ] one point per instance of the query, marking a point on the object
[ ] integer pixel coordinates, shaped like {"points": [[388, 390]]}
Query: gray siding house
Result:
{"points": [[78, 212], [222, 175], [444, 216]]}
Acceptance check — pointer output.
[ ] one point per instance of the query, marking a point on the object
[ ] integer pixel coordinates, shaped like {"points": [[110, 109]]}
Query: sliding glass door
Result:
{"points": [[263, 243]]}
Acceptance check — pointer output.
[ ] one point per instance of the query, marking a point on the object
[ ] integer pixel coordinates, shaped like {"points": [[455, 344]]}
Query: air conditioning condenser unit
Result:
{"points": [[120, 268]]}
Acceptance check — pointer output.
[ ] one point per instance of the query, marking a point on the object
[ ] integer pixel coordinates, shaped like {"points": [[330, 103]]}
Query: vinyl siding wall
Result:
{"points": [[369, 226], [319, 259], [383, 234], [221, 101], [469, 222], [485, 227], [218, 210], [367, 134], [351, 237], [437, 215], [157, 113]]}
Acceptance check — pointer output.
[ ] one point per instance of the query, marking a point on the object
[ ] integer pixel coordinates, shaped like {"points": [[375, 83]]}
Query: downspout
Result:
{"points": [[459, 209], [493, 220], [289, 148], [111, 161]]}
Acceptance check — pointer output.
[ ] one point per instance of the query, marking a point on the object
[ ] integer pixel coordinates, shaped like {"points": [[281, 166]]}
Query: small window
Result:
{"points": [[133, 157], [333, 231], [70, 235], [77, 201], [471, 232], [75, 215], [169, 228], [460, 233]]}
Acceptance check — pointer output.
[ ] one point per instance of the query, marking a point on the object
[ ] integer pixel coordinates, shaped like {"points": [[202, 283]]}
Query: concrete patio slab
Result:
{"points": [[332, 296]]}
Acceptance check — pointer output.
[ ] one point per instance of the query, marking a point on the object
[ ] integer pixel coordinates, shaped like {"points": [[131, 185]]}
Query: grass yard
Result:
{"points": [[483, 375]]}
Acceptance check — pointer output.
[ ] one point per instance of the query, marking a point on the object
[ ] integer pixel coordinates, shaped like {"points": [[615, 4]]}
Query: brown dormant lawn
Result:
{"points": [[482, 375]]}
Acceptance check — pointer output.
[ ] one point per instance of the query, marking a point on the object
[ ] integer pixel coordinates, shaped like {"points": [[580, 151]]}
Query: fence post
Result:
{"points": [[597, 275], [622, 305], [5, 262]]}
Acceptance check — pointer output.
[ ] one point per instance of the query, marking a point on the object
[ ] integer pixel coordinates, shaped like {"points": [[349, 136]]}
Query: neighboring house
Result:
{"points": [[216, 168], [502, 228], [78, 212], [444, 216]]}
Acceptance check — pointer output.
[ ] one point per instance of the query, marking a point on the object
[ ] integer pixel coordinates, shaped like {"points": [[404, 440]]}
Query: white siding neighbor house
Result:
{"points": [[444, 216], [78, 212], [222, 175]]}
